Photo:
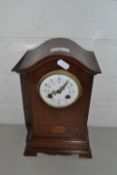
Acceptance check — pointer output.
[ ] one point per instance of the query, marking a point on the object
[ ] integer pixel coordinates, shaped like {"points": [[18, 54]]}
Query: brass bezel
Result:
{"points": [[61, 72]]}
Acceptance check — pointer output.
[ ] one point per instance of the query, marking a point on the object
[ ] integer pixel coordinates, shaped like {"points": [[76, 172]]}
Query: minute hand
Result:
{"points": [[62, 88]]}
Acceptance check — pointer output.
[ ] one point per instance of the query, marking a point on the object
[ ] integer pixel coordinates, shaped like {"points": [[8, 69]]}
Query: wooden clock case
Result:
{"points": [[51, 130]]}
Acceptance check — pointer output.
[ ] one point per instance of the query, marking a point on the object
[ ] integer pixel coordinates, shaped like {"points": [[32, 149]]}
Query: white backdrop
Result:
{"points": [[24, 24]]}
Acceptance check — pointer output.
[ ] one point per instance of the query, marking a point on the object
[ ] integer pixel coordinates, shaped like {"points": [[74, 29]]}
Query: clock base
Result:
{"points": [[82, 154], [58, 146]]}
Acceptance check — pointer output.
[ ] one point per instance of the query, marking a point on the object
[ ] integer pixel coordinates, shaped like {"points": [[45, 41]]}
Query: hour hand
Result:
{"points": [[58, 91]]}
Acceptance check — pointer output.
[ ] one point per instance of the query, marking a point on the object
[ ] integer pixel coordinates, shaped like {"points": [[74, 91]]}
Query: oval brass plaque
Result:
{"points": [[58, 129]]}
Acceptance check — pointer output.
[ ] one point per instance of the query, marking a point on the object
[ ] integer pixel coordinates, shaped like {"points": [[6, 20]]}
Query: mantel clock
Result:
{"points": [[56, 81]]}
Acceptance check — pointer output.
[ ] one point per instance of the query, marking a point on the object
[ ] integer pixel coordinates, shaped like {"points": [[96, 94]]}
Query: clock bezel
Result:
{"points": [[61, 72]]}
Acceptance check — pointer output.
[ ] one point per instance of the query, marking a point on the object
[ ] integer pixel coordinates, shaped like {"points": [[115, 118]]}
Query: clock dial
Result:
{"points": [[59, 88]]}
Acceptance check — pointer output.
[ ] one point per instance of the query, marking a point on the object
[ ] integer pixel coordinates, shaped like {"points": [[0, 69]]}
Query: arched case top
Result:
{"points": [[58, 47]]}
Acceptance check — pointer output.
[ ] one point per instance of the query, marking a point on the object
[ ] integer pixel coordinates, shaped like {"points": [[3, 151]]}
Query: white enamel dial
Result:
{"points": [[59, 88]]}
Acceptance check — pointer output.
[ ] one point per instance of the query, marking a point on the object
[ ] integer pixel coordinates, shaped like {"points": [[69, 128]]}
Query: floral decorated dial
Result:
{"points": [[59, 88]]}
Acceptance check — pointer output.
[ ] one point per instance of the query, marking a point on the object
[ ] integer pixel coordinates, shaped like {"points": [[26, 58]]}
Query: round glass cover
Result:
{"points": [[59, 88]]}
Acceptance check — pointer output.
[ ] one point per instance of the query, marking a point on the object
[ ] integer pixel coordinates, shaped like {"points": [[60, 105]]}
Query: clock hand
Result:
{"points": [[50, 95], [62, 88]]}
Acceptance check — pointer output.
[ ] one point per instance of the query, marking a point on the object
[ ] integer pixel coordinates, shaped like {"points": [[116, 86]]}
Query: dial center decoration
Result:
{"points": [[59, 88]]}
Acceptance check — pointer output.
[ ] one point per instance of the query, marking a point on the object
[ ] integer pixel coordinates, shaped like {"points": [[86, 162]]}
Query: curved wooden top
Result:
{"points": [[62, 46]]}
